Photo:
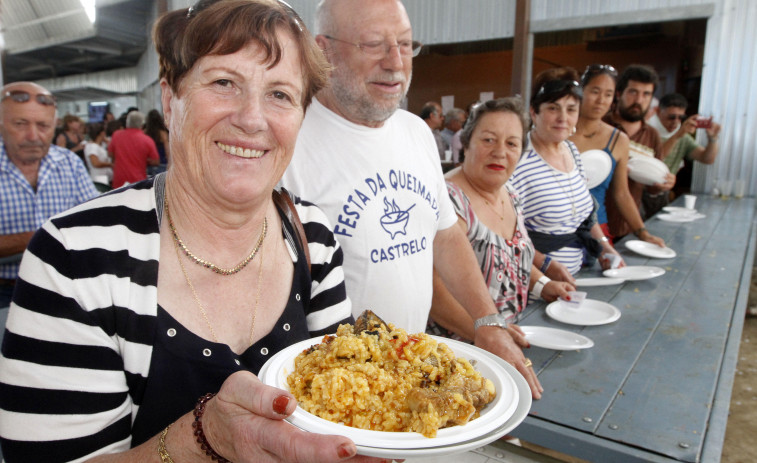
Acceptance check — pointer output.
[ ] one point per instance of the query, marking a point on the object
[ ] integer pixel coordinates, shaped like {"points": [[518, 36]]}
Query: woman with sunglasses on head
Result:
{"points": [[490, 214], [592, 133], [552, 184], [132, 306]]}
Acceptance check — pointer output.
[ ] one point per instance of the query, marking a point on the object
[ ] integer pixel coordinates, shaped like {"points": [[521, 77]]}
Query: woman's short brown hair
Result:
{"points": [[69, 118], [513, 104], [554, 84], [223, 27]]}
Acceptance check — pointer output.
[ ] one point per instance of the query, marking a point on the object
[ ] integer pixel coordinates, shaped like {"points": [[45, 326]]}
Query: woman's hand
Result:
{"points": [[650, 238], [504, 345], [556, 289], [245, 423], [559, 272]]}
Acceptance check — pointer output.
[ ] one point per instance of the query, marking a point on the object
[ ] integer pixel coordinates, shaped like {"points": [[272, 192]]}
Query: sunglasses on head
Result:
{"points": [[558, 86], [597, 68], [22, 96]]}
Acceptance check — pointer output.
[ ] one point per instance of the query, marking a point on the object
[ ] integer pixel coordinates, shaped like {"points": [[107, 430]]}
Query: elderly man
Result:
{"points": [[37, 178], [374, 169], [132, 151]]}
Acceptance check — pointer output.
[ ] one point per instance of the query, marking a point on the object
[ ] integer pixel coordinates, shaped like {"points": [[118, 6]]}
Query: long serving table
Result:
{"points": [[656, 386]]}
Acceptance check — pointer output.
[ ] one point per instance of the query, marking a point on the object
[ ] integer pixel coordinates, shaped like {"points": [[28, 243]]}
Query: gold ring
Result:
{"points": [[528, 363]]}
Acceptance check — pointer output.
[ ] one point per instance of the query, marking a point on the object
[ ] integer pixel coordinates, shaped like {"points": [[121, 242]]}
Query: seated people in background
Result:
{"points": [[634, 91], [119, 324], [453, 124], [37, 179], [489, 213], [598, 82], [375, 171], [70, 136], [132, 151], [96, 155], [551, 182], [431, 113], [155, 128], [677, 132]]}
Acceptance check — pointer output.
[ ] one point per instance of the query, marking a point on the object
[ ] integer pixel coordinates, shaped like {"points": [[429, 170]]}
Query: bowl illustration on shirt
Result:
{"points": [[394, 221]]}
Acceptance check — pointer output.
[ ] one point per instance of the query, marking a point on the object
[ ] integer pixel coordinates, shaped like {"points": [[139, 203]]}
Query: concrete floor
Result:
{"points": [[740, 445]]}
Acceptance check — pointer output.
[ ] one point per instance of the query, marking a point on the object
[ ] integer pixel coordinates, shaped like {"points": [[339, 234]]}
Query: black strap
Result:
{"points": [[283, 200]]}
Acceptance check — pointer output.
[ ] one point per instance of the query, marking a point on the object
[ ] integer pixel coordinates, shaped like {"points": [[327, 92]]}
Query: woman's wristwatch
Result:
{"points": [[496, 319]]}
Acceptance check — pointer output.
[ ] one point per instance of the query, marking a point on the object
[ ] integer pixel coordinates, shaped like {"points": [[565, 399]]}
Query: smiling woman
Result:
{"points": [[134, 322]]}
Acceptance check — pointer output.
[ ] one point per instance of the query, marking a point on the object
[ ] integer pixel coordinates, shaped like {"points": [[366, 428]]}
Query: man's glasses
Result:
{"points": [[378, 48], [22, 96], [559, 86]]}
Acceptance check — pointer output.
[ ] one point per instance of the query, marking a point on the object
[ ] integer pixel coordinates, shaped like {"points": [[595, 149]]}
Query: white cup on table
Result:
{"points": [[739, 188], [689, 201]]}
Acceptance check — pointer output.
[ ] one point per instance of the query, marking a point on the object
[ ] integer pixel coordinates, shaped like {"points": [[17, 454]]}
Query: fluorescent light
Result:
{"points": [[89, 8]]}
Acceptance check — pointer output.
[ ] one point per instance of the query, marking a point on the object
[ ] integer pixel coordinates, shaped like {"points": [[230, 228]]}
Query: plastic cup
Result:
{"points": [[689, 201], [739, 187], [726, 189]]}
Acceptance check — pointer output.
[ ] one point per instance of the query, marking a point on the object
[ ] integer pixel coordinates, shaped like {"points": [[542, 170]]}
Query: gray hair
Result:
{"points": [[135, 120]]}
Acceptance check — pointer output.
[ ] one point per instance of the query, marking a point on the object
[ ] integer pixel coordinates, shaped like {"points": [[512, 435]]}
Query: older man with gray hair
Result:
{"points": [[37, 179], [132, 151], [374, 169]]}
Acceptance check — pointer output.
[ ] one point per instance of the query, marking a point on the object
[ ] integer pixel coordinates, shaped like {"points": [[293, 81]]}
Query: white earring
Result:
{"points": [[574, 130]]}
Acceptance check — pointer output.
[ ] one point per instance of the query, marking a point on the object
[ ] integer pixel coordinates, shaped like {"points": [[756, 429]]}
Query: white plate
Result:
{"points": [[680, 218], [635, 272], [599, 281], [679, 210], [597, 165], [276, 370], [591, 312], [552, 338], [647, 170], [650, 250]]}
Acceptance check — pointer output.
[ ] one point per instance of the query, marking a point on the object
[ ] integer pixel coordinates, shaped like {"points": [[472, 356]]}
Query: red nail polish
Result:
{"points": [[567, 298], [280, 404], [345, 451]]}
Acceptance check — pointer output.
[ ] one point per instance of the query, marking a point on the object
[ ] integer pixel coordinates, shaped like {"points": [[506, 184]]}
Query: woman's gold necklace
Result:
{"points": [[491, 206], [202, 309], [209, 265]]}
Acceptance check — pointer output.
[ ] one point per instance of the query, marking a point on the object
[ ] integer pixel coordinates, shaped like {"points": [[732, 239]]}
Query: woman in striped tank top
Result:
{"points": [[552, 184]]}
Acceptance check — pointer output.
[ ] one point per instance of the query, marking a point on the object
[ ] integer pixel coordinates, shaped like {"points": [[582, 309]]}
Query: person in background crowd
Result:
{"points": [[118, 326], [634, 92], [375, 171], [677, 131], [132, 151], [453, 123], [598, 82], [155, 128], [551, 182], [431, 113], [37, 179], [96, 155], [71, 137], [489, 213]]}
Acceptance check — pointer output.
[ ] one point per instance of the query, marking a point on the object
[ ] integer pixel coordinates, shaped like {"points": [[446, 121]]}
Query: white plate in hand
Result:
{"points": [[397, 444], [552, 338], [649, 249], [647, 170], [591, 312], [635, 272], [597, 165]]}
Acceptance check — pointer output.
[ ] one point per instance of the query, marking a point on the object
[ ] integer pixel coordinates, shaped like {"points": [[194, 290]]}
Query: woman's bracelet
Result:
{"points": [[639, 231], [162, 450], [545, 264], [200, 434], [539, 286]]}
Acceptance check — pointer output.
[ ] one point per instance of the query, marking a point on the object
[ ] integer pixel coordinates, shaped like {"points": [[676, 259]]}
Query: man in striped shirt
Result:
{"points": [[37, 178]]}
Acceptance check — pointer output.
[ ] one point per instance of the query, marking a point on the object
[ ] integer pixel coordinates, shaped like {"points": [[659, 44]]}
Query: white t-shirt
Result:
{"points": [[97, 172], [383, 191]]}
